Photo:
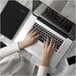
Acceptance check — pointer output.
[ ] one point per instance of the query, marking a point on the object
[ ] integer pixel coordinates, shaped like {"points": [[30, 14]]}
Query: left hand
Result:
{"points": [[30, 39]]}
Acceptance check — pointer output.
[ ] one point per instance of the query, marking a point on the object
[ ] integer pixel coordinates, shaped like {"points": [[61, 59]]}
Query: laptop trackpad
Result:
{"points": [[35, 49]]}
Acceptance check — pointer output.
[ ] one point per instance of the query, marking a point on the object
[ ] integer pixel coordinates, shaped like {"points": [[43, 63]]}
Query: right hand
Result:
{"points": [[47, 52]]}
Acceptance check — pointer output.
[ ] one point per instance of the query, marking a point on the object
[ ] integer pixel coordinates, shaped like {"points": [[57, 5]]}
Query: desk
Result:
{"points": [[61, 66]]}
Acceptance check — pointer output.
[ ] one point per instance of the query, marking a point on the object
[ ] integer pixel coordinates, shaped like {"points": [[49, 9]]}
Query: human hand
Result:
{"points": [[47, 51], [30, 39]]}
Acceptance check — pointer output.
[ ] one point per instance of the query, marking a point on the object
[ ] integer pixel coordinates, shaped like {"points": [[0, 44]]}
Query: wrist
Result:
{"points": [[21, 45], [45, 62]]}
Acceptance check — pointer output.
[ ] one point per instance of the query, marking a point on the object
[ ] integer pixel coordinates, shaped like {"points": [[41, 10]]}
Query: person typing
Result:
{"points": [[30, 39]]}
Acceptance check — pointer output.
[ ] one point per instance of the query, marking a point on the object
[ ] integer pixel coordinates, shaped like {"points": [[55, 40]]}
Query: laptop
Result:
{"points": [[12, 17], [53, 25]]}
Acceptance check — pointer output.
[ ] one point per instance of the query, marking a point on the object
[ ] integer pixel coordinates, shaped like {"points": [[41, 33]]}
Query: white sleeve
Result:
{"points": [[42, 71], [11, 48]]}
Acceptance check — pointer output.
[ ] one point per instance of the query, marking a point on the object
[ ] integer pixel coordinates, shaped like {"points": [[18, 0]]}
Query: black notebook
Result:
{"points": [[12, 17]]}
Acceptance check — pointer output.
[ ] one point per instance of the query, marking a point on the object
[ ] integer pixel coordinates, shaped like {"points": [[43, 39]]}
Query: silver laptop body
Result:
{"points": [[63, 43]]}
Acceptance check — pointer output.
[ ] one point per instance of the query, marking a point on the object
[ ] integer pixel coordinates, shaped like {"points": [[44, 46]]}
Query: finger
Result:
{"points": [[50, 45], [46, 42], [36, 36], [53, 47], [35, 33], [31, 31]]}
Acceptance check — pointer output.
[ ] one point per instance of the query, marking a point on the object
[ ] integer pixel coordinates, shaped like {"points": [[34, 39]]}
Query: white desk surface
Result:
{"points": [[71, 50]]}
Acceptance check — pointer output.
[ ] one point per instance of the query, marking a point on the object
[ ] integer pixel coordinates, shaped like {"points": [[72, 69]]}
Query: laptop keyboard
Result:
{"points": [[45, 33]]}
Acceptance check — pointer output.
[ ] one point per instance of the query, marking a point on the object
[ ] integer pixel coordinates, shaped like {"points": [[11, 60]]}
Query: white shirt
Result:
{"points": [[12, 63]]}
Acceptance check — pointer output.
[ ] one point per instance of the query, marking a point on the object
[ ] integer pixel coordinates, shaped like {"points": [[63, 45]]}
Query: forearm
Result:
{"points": [[11, 48], [43, 68]]}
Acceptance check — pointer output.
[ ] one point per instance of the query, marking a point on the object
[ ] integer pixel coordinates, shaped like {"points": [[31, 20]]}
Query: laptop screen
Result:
{"points": [[59, 23], [59, 20], [11, 18]]}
